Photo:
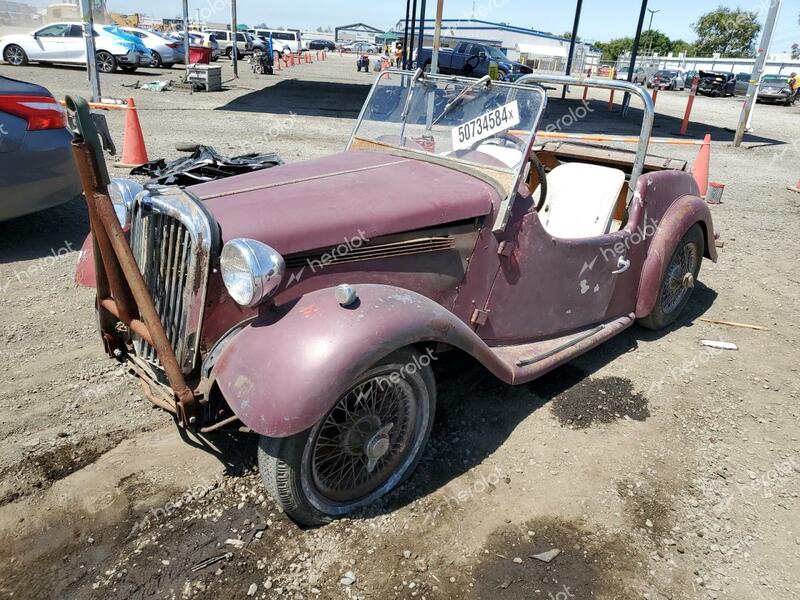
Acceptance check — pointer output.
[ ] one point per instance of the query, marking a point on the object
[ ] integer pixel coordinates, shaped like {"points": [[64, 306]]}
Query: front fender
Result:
{"points": [[679, 217], [283, 372]]}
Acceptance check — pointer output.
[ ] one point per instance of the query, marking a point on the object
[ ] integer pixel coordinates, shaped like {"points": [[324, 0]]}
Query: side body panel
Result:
{"points": [[282, 373]]}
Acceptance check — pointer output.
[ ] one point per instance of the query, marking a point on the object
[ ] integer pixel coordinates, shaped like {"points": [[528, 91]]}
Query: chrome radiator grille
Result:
{"points": [[171, 241]]}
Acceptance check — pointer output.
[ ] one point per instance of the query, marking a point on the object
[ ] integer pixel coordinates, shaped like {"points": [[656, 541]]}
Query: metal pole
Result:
{"points": [[186, 38], [650, 30], [91, 62], [437, 37], [410, 50], [634, 53], [572, 42], [234, 34], [405, 33], [422, 11], [758, 71]]}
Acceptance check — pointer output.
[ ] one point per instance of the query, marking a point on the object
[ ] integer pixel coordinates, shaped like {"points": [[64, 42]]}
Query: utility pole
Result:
{"points": [[410, 49], [186, 39], [422, 11], [758, 71], [572, 42], [91, 61], [650, 30], [634, 53], [234, 35], [405, 33]]}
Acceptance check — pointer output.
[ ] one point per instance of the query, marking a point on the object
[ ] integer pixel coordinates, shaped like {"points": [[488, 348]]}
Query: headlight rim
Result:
{"points": [[123, 192], [265, 268]]}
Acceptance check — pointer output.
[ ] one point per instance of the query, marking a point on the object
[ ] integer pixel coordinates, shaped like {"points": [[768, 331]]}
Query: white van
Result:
{"points": [[282, 40]]}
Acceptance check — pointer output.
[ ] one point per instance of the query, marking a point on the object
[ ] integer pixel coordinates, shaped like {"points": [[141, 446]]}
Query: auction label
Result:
{"points": [[485, 126]]}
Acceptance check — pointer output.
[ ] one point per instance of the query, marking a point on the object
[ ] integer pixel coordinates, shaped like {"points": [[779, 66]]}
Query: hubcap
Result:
{"points": [[14, 56], [679, 278], [104, 62], [364, 439]]}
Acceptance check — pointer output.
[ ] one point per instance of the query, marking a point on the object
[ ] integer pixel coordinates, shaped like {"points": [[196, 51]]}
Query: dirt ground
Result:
{"points": [[652, 467]]}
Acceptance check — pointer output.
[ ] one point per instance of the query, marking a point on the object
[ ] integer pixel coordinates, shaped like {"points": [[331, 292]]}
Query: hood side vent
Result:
{"points": [[347, 253]]}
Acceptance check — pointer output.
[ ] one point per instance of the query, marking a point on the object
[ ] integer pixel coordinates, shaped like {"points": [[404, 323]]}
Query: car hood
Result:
{"points": [[327, 201], [774, 85]]}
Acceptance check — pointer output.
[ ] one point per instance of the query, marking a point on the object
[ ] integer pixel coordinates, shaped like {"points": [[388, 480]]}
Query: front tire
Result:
{"points": [[156, 60], [15, 55], [370, 441], [106, 63], [678, 280]]}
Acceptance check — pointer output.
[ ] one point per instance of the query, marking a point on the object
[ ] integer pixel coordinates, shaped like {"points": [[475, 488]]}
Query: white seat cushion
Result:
{"points": [[580, 200]]}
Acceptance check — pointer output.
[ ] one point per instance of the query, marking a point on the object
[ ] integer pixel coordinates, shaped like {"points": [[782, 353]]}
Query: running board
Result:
{"points": [[529, 361]]}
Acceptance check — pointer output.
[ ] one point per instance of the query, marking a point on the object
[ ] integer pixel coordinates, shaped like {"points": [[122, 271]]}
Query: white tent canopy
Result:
{"points": [[542, 50]]}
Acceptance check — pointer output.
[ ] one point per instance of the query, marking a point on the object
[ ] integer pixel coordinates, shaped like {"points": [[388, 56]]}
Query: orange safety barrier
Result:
{"points": [[701, 165], [585, 92], [611, 101], [689, 104]]}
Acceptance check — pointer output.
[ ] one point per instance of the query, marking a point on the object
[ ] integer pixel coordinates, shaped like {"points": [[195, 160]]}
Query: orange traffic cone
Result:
{"points": [[134, 154], [795, 188], [701, 165]]}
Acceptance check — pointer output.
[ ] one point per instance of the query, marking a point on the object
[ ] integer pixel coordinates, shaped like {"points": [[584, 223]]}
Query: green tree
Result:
{"points": [[568, 36], [679, 46], [730, 32], [612, 49], [655, 41]]}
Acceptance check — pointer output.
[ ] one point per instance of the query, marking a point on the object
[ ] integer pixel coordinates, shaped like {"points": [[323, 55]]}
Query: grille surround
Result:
{"points": [[172, 240]]}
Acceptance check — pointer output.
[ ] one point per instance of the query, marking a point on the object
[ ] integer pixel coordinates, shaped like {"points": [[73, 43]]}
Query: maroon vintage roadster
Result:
{"points": [[306, 303]]}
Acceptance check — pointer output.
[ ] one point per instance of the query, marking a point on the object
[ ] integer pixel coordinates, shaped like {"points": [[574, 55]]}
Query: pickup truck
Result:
{"points": [[472, 60]]}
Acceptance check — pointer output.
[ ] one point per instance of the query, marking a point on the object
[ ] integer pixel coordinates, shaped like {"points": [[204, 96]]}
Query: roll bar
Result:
{"points": [[611, 84]]}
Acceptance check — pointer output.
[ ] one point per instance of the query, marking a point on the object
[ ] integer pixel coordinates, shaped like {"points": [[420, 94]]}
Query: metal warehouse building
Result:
{"points": [[543, 51]]}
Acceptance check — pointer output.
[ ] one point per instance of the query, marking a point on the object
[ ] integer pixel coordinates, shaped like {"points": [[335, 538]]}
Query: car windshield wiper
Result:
{"points": [[485, 80]]}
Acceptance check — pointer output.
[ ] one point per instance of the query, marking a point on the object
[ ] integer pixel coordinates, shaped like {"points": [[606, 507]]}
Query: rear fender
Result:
{"points": [[84, 273], [283, 372], [677, 220]]}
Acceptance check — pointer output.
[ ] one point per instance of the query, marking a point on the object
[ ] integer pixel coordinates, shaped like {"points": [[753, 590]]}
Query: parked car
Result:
{"points": [[361, 48], [716, 83], [321, 45], [472, 60], [690, 76], [164, 50], [639, 75], [282, 40], [37, 170], [668, 79], [776, 89], [244, 42], [64, 43], [308, 301], [742, 84]]}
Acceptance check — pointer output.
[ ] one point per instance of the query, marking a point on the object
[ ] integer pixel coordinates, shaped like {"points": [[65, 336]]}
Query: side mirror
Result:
{"points": [[482, 55]]}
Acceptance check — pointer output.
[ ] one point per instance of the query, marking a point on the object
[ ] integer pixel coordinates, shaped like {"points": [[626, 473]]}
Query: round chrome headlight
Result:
{"points": [[251, 271], [122, 193]]}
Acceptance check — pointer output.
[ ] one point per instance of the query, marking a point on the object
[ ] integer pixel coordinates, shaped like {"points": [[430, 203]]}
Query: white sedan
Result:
{"points": [[166, 51], [64, 43]]}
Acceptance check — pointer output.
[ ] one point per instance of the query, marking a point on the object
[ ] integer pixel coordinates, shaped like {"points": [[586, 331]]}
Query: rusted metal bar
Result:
{"points": [[117, 260], [134, 325], [220, 425]]}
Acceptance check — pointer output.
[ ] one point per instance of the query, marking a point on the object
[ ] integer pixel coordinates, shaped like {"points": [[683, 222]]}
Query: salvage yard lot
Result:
{"points": [[658, 467]]}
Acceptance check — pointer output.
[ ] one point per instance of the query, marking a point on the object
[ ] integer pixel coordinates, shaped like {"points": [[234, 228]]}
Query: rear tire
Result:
{"points": [[678, 280], [15, 55], [106, 63], [373, 436], [156, 61]]}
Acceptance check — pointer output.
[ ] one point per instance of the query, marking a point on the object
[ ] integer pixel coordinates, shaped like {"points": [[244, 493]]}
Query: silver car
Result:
{"points": [[38, 170], [166, 52]]}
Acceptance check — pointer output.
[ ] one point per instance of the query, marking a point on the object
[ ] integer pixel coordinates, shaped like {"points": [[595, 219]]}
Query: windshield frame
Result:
{"points": [[517, 174]]}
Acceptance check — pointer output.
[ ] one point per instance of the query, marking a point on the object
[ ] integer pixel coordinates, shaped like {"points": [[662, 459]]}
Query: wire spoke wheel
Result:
{"points": [[364, 439], [679, 277], [370, 439]]}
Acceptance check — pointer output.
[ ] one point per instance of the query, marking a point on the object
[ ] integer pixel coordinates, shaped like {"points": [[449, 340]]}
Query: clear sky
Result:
{"points": [[602, 19]]}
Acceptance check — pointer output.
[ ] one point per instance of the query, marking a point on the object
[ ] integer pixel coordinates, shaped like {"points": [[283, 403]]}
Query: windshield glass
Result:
{"points": [[495, 53], [464, 122], [775, 79]]}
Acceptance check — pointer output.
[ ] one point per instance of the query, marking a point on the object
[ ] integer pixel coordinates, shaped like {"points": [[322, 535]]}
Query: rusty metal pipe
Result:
{"points": [[100, 203]]}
